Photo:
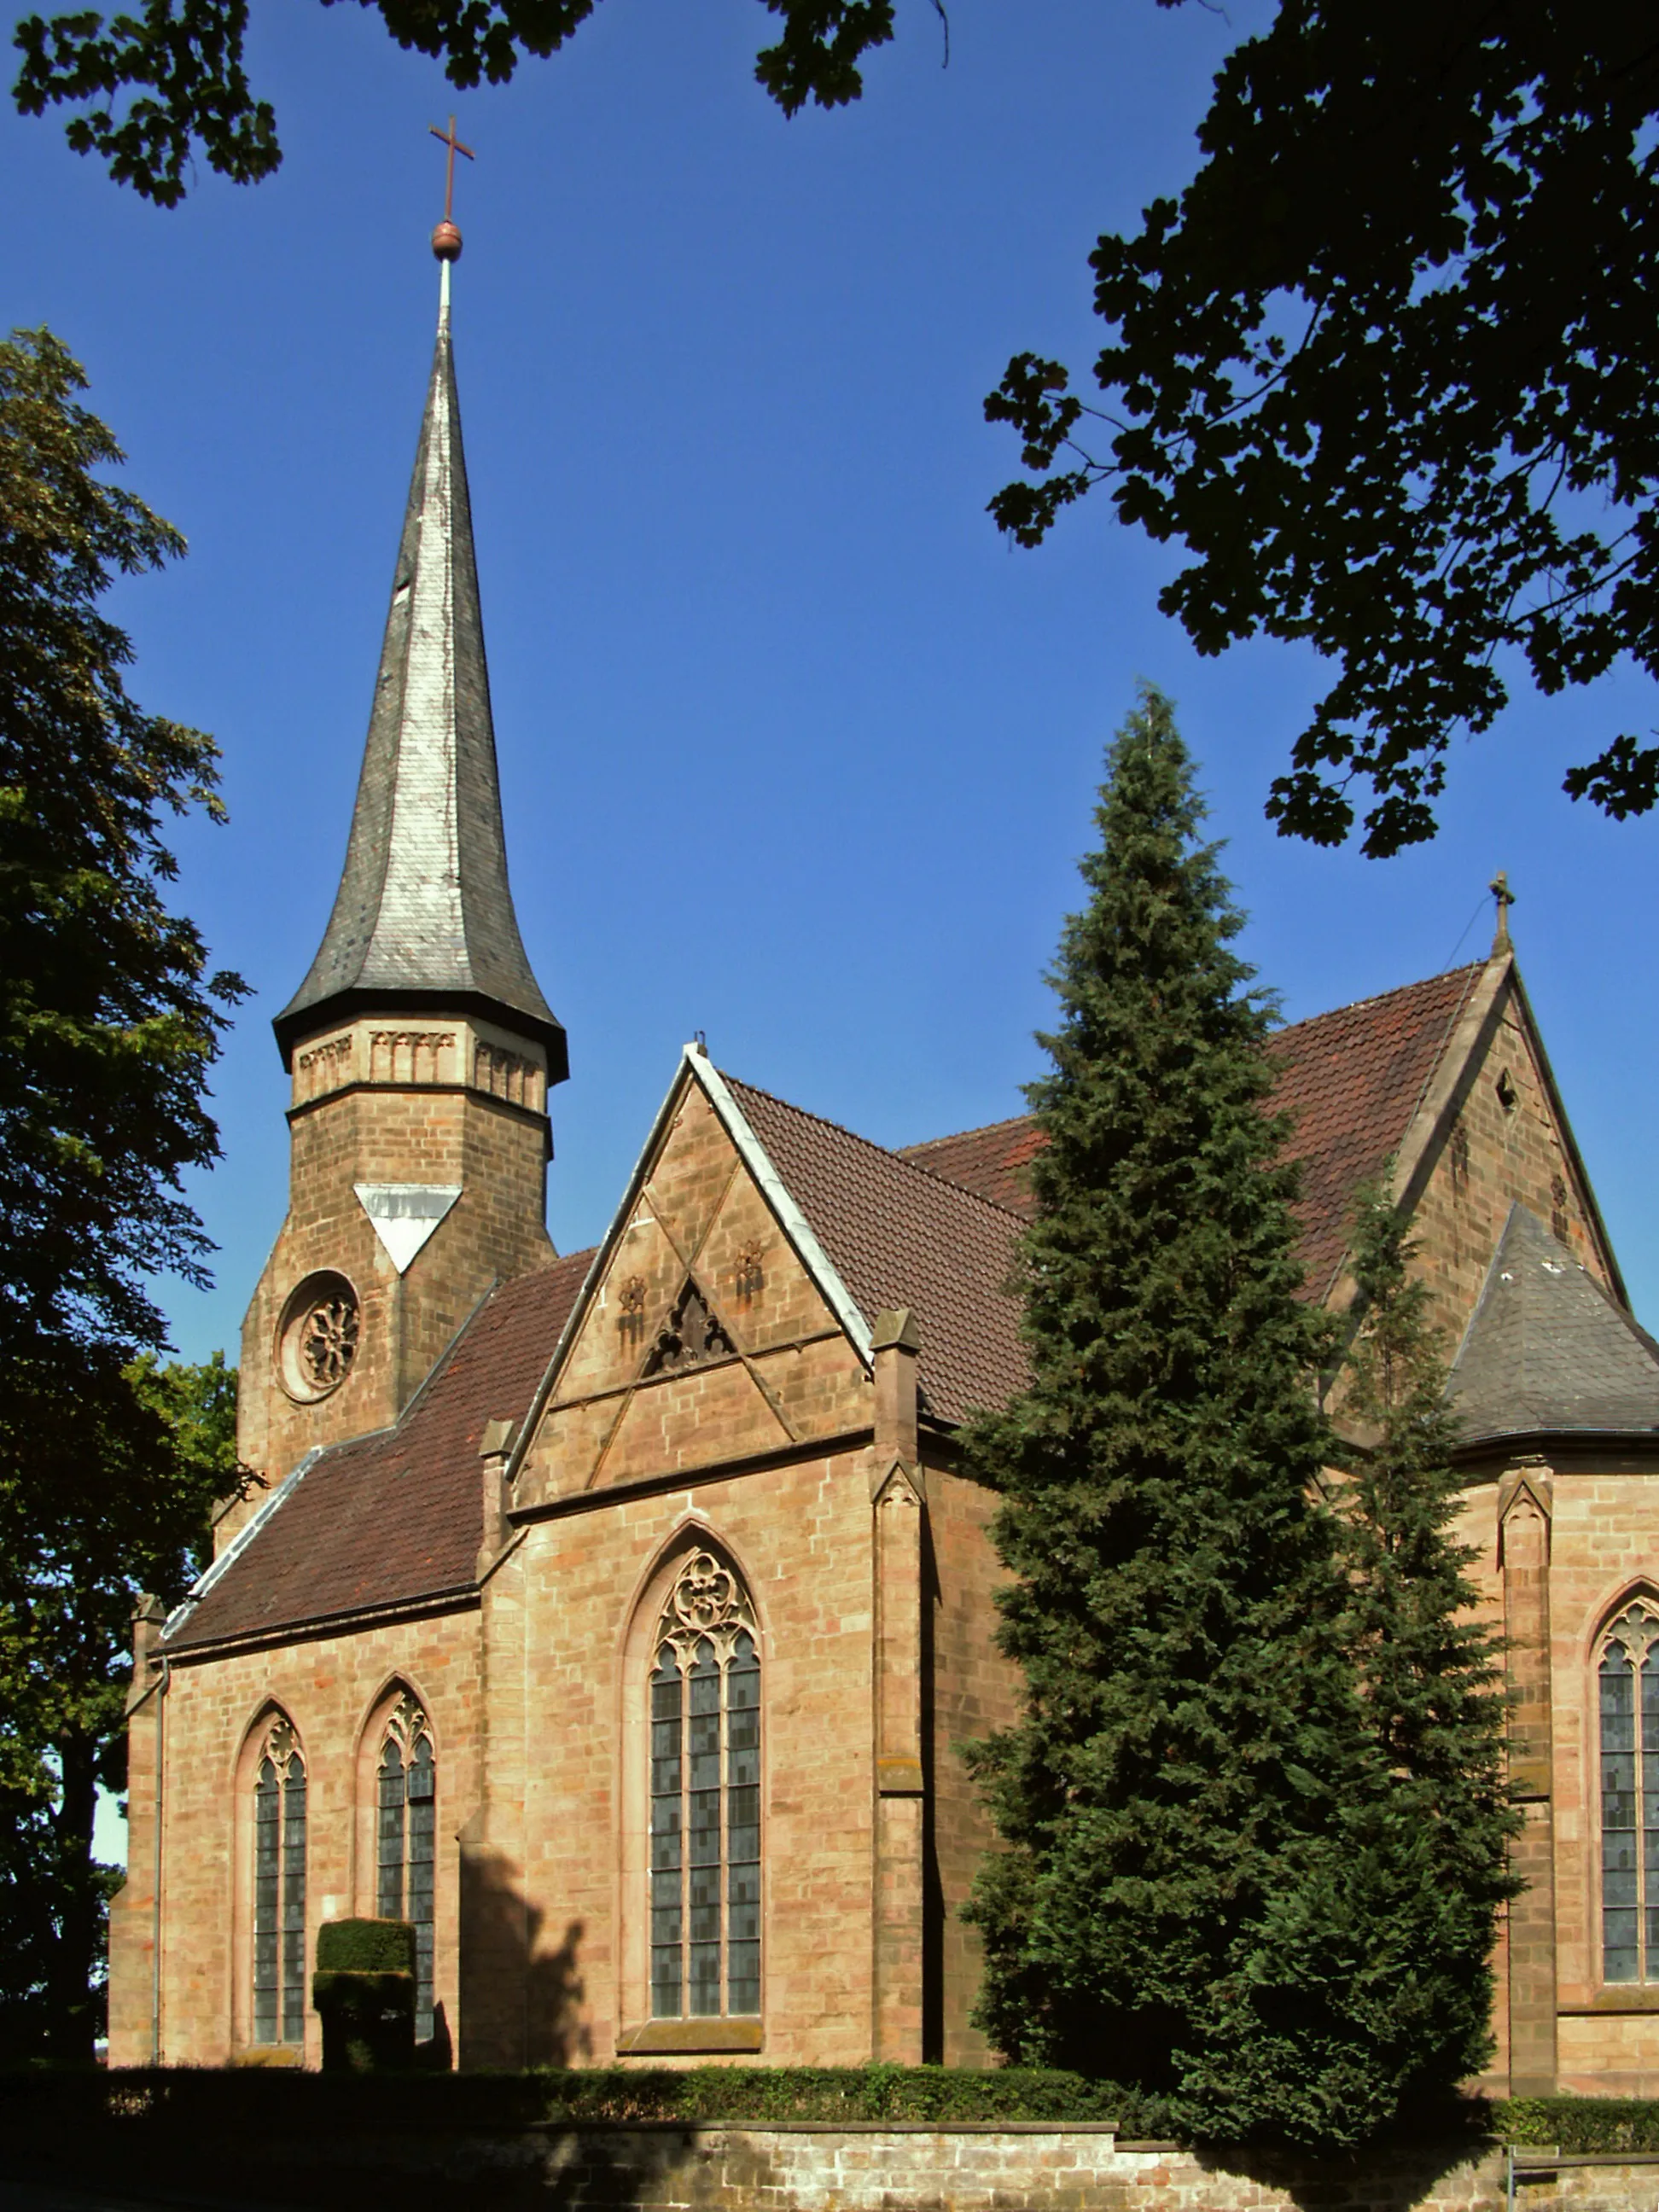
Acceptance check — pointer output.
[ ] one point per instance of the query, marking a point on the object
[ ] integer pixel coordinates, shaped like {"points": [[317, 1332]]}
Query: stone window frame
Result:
{"points": [[364, 1884], [1640, 1596], [638, 2030], [272, 1713]]}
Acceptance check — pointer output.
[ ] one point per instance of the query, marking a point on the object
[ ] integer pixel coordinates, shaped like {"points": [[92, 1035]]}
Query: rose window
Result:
{"points": [[319, 1335]]}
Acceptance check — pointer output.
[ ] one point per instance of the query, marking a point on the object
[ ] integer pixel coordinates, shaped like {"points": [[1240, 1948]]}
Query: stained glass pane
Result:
{"points": [[389, 1872], [1621, 1959], [667, 1696], [422, 1782], [267, 1883], [293, 1902], [705, 1816], [743, 1827]]}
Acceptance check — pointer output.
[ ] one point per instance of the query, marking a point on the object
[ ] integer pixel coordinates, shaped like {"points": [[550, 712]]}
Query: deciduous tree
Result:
{"points": [[108, 1025], [180, 66], [108, 1475], [1383, 371]]}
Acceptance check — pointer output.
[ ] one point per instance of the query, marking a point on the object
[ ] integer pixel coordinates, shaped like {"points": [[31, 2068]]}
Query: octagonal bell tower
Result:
{"points": [[420, 1047]]}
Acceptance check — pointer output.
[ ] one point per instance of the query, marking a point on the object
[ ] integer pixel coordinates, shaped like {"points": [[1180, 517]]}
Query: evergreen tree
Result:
{"points": [[1173, 1797], [1423, 1862]]}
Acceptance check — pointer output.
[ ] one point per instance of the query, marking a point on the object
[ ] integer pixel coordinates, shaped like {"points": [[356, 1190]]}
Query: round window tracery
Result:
{"points": [[319, 1338]]}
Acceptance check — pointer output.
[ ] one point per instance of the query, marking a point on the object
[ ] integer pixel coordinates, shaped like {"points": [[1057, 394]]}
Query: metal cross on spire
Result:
{"points": [[1499, 888], [445, 239]]}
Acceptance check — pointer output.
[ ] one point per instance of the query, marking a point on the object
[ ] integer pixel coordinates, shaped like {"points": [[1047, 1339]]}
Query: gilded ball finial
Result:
{"points": [[446, 241]]}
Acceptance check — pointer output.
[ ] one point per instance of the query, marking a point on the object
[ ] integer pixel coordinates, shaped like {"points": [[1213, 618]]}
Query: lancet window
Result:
{"points": [[1629, 1684], [279, 1889], [705, 1798], [406, 1864]]}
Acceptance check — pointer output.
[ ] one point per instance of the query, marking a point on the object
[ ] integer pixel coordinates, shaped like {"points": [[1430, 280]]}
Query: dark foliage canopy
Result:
{"points": [[108, 1020], [108, 1475], [180, 65], [1252, 1816], [108, 1025], [1384, 370], [1426, 1865], [1190, 1724]]}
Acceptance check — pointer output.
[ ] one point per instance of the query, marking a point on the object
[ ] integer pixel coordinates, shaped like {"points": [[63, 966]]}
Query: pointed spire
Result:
{"points": [[423, 917]]}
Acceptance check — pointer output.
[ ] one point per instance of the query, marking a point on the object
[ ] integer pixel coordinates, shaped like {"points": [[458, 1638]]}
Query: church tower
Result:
{"points": [[419, 1045]]}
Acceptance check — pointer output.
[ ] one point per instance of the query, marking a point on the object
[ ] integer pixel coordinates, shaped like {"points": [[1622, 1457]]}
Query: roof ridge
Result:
{"points": [[960, 1136], [1376, 999], [910, 1167]]}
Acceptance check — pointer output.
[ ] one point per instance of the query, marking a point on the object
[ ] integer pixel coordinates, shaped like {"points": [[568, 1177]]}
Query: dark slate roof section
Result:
{"points": [[1547, 1352], [423, 917], [397, 1517], [899, 1235], [1350, 1081]]}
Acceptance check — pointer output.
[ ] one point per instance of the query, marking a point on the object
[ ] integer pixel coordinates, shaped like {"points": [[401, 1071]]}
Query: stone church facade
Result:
{"points": [[616, 1616]]}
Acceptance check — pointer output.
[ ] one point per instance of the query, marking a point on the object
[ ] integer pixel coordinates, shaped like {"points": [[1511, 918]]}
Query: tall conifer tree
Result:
{"points": [[1423, 1866], [1191, 1732]]}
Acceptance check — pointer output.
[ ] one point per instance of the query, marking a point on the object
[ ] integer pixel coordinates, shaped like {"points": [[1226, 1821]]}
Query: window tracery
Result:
{"points": [[690, 1337], [1629, 1686], [279, 1889], [406, 1843], [705, 1797], [317, 1342]]}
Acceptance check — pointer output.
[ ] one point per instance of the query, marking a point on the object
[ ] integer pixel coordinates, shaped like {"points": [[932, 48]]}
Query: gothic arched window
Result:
{"points": [[1629, 1683], [279, 1889], [406, 1841], [705, 1798]]}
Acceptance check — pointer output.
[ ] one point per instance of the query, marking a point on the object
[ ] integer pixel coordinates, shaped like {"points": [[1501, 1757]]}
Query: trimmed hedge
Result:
{"points": [[237, 2098], [208, 2102], [1579, 2124], [366, 1947]]}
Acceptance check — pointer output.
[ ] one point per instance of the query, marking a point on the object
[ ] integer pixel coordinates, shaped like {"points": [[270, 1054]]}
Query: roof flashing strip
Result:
{"points": [[237, 1544], [793, 1223]]}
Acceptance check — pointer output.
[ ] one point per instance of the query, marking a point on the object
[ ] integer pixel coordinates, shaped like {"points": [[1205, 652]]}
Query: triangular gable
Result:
{"points": [[679, 1295]]}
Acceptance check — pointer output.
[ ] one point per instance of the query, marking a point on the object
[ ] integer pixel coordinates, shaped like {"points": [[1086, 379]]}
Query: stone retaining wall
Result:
{"points": [[803, 2167]]}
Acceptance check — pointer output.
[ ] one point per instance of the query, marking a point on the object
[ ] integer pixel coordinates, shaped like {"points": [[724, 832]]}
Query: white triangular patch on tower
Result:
{"points": [[406, 1214]]}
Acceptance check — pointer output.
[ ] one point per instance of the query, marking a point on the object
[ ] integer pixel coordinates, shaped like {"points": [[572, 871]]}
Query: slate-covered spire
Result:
{"points": [[423, 917]]}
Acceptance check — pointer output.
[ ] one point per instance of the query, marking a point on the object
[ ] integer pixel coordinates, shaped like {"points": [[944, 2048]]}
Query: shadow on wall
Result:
{"points": [[1385, 2178], [521, 2004]]}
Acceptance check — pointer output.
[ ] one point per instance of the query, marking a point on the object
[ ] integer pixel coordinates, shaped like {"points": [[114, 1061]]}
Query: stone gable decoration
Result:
{"points": [[690, 1337]]}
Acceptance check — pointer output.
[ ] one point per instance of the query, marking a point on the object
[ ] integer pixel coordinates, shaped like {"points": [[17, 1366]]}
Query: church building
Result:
{"points": [[616, 1617]]}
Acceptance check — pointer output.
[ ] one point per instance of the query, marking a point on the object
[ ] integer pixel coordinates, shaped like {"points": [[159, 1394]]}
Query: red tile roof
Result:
{"points": [[397, 1516], [1350, 1081], [898, 1235]]}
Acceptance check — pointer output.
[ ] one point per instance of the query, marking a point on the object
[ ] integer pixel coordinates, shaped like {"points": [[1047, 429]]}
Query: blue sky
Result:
{"points": [[795, 750]]}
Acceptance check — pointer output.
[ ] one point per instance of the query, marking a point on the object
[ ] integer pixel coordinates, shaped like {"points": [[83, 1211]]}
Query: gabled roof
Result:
{"points": [[900, 1235], [423, 917], [1351, 1081], [1546, 1350], [397, 1517]]}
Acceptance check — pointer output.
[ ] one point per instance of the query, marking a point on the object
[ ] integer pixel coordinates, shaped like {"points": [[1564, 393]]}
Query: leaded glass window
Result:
{"points": [[406, 1841], [279, 1889], [705, 1799], [1629, 1684]]}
